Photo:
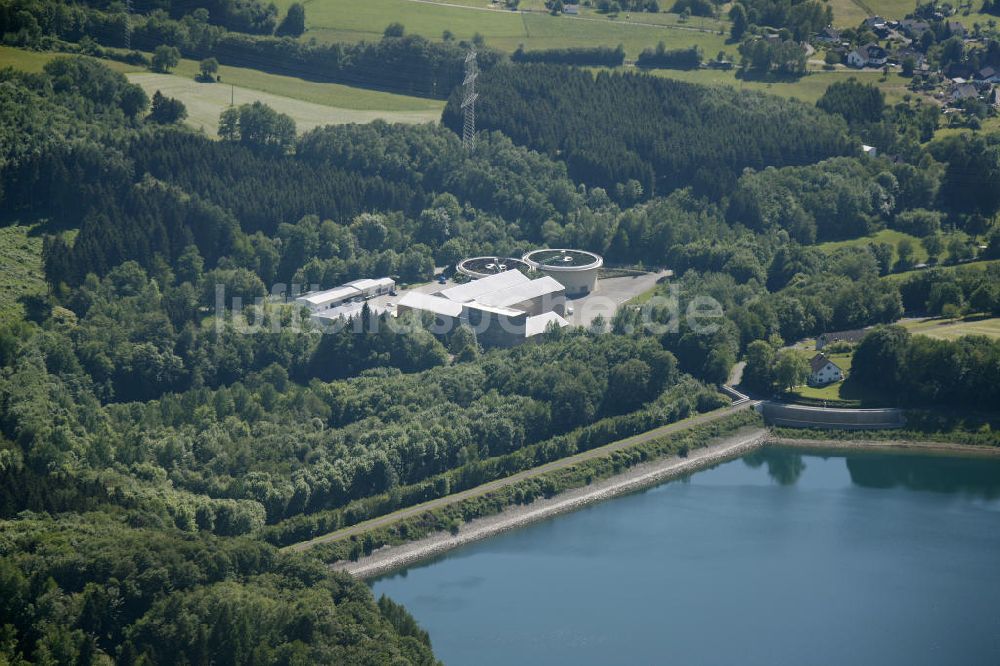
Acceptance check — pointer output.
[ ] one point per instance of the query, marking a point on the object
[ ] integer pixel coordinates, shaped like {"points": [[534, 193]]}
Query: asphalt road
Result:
{"points": [[491, 486]]}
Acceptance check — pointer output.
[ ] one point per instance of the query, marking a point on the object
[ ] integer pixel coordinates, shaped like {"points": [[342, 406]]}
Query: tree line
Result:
{"points": [[663, 58], [408, 64], [594, 56], [922, 371]]}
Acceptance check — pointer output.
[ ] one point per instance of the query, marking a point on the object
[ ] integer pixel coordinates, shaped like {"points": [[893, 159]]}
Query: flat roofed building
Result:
{"points": [[357, 289], [416, 300], [472, 291], [503, 309], [370, 288], [323, 300], [546, 294]]}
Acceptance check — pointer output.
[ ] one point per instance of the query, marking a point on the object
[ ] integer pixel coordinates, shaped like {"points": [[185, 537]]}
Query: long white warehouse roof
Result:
{"points": [[525, 291], [319, 298], [473, 291], [368, 283], [441, 306]]}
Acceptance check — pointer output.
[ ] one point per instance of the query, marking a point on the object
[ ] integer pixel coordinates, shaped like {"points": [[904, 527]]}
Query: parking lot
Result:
{"points": [[611, 294]]}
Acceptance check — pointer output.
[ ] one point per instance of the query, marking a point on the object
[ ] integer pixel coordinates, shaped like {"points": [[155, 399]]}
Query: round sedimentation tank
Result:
{"points": [[480, 267], [574, 269]]}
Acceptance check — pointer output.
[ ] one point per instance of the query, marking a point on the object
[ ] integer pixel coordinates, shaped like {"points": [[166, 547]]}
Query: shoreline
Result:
{"points": [[391, 558], [894, 446]]}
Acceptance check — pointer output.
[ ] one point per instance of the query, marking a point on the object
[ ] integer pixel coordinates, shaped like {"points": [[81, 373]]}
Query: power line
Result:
{"points": [[469, 103]]}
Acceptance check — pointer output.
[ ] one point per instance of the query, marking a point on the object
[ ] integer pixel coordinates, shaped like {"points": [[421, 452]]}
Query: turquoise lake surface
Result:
{"points": [[781, 557]]}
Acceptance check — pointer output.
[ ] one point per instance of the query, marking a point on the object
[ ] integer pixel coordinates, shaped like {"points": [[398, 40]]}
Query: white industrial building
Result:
{"points": [[421, 302], [474, 289], [370, 288], [512, 289], [504, 309], [356, 291], [345, 301], [319, 301]]}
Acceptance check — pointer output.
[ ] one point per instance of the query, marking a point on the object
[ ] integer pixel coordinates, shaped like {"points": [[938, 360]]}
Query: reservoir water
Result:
{"points": [[777, 558]]}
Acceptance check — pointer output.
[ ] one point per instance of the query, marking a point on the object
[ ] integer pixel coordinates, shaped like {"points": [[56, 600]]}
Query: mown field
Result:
{"points": [[205, 101], [893, 238], [808, 88], [309, 103], [355, 20], [949, 329], [849, 13]]}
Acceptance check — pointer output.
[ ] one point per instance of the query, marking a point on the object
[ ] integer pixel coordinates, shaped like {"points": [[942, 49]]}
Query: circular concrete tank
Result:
{"points": [[575, 269], [480, 267]]}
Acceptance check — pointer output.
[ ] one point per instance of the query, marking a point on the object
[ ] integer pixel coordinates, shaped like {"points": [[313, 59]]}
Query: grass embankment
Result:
{"points": [[33, 61], [451, 516], [921, 426]]}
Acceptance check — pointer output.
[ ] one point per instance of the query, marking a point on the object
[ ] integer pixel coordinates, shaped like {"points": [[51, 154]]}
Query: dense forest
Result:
{"points": [[88, 587], [603, 128]]}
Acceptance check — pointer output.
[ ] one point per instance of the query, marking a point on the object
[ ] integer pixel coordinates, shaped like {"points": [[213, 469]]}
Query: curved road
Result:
{"points": [[440, 502]]}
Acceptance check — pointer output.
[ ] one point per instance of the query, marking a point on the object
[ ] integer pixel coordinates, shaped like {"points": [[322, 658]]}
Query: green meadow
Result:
{"points": [[355, 20]]}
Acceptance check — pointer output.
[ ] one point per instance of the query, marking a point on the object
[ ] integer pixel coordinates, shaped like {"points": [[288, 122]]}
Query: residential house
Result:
{"points": [[902, 54], [989, 75], [829, 36], [572, 10], [913, 28], [956, 29], [823, 371], [878, 25], [963, 91], [869, 55]]}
